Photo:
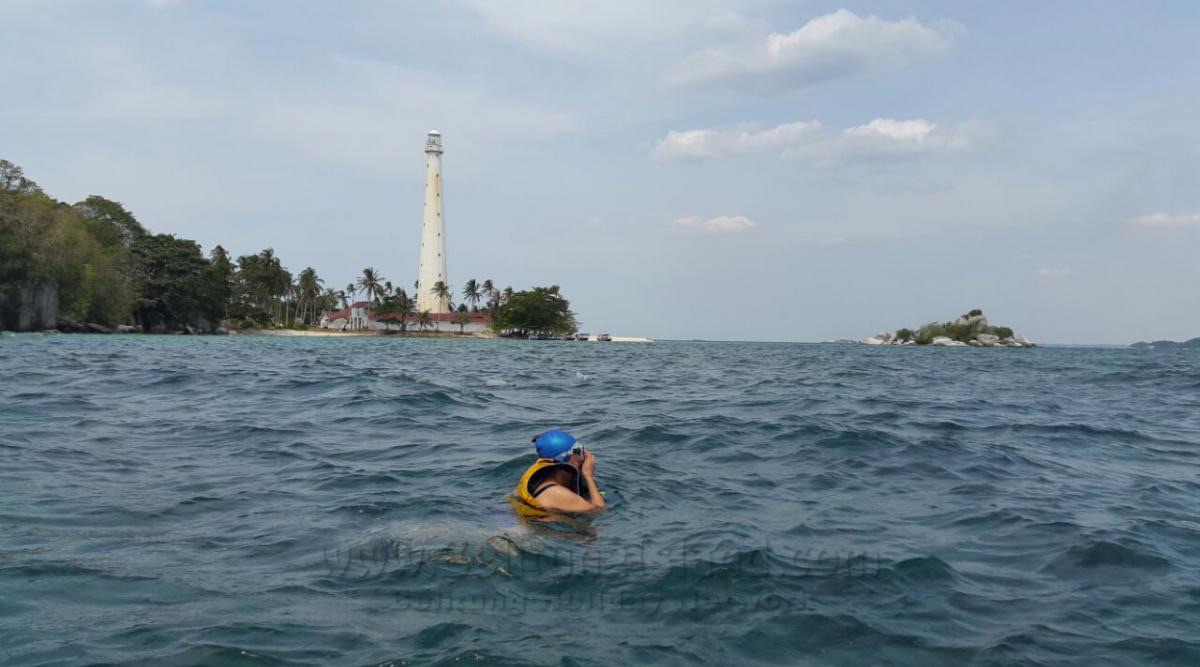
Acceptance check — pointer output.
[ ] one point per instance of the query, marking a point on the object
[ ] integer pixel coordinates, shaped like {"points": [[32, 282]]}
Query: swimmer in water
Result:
{"points": [[563, 477]]}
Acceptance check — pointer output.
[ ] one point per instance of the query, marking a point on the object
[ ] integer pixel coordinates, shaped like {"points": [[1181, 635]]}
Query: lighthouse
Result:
{"points": [[432, 268]]}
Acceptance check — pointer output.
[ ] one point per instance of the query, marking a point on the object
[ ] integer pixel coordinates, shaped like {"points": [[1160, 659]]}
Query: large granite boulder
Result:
{"points": [[30, 306]]}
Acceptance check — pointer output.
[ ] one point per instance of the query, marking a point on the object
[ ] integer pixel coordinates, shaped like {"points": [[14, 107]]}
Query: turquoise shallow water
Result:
{"points": [[270, 501]]}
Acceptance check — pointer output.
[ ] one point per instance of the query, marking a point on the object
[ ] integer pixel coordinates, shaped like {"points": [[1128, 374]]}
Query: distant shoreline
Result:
{"points": [[410, 334], [309, 333], [332, 333]]}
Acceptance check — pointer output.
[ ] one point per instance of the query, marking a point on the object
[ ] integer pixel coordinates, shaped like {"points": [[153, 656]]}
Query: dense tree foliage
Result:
{"points": [[541, 309], [45, 242], [397, 302], [176, 284], [107, 268]]}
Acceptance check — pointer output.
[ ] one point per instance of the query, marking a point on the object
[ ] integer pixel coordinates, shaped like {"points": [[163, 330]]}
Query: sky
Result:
{"points": [[740, 170]]}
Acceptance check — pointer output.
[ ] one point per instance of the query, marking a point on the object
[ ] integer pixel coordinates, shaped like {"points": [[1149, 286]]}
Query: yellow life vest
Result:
{"points": [[536, 474]]}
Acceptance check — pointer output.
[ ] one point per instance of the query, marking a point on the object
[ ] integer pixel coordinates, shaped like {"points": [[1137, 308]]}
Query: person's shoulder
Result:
{"points": [[561, 498]]}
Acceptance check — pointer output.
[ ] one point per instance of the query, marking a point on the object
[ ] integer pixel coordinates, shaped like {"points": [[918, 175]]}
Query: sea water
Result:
{"points": [[313, 501]]}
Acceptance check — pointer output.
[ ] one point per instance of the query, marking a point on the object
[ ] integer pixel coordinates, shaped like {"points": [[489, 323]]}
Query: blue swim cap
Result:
{"points": [[555, 445]]}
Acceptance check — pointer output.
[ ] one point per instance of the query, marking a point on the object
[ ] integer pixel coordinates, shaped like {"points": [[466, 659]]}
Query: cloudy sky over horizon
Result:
{"points": [[742, 169]]}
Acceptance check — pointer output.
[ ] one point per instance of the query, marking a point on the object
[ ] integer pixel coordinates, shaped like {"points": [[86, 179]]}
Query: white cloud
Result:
{"points": [[716, 143], [899, 130], [162, 3], [884, 137], [1167, 220], [828, 47], [881, 138], [1054, 272], [723, 224]]}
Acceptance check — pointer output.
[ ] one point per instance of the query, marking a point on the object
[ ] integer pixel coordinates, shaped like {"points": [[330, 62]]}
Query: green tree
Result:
{"points": [[370, 282], [12, 179], [109, 222], [541, 309], [442, 291], [424, 319], [462, 319], [175, 284], [226, 276], [47, 245], [262, 284], [308, 287], [399, 303], [488, 292], [472, 293]]}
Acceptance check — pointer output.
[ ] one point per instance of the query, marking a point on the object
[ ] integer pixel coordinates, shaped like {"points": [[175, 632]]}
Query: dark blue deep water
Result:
{"points": [[314, 501]]}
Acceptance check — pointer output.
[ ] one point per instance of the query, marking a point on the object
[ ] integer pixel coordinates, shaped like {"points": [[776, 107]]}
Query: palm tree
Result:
{"points": [[327, 300], [442, 291], [309, 288], [471, 292], [424, 319], [370, 282], [406, 306], [488, 291]]}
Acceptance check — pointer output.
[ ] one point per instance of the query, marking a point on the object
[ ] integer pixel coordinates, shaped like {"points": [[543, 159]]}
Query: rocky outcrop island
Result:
{"points": [[969, 330], [1193, 343]]}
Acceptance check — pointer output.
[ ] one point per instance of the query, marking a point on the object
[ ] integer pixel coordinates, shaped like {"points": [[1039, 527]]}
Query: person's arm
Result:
{"points": [[589, 477], [561, 499]]}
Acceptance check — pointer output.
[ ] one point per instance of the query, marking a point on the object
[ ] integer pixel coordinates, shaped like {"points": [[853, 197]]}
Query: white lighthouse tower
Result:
{"points": [[433, 232]]}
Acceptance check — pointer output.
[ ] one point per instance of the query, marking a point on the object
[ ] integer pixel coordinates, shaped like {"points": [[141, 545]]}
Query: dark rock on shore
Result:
{"points": [[68, 325]]}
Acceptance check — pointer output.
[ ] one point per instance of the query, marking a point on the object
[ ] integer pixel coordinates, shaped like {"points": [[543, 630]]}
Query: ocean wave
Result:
{"points": [[316, 501]]}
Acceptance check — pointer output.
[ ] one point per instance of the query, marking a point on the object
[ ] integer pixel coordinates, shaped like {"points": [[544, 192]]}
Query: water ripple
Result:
{"points": [[243, 500]]}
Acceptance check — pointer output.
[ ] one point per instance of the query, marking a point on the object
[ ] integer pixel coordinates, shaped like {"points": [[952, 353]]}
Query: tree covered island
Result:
{"points": [[92, 266], [969, 330]]}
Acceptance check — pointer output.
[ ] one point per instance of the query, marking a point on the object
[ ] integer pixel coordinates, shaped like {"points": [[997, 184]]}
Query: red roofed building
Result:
{"points": [[361, 317]]}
